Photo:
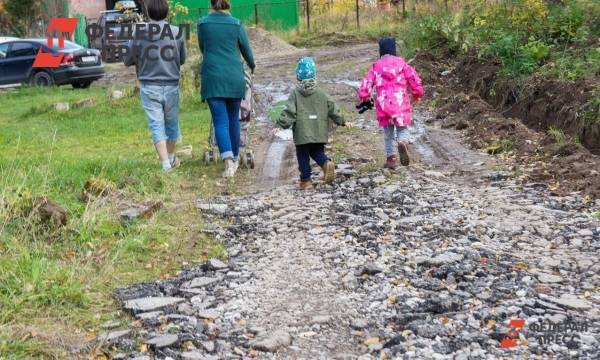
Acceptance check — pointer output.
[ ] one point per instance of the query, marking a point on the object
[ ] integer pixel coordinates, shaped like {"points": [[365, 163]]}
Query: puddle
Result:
{"points": [[418, 134], [269, 95]]}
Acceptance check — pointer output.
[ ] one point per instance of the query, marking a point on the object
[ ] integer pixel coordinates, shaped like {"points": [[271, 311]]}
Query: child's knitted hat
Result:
{"points": [[306, 69], [387, 46]]}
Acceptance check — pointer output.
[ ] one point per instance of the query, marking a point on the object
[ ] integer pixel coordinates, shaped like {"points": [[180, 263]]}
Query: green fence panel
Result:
{"points": [[273, 15]]}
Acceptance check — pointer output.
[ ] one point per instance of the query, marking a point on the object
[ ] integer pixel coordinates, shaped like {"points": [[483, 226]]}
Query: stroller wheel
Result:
{"points": [[209, 156], [249, 160]]}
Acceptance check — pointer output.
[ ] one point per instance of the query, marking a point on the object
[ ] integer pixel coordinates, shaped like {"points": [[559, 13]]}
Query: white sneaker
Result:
{"points": [[236, 165], [229, 171]]}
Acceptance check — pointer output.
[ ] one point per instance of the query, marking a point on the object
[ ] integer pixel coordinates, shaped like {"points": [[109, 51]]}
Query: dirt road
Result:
{"points": [[427, 262]]}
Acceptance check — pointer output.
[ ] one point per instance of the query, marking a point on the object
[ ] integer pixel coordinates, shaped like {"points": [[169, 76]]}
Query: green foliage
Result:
{"points": [[22, 14], [524, 35], [557, 134]]}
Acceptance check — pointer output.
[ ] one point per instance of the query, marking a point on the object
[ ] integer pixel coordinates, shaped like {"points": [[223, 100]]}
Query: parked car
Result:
{"points": [[79, 67], [113, 20], [7, 38]]}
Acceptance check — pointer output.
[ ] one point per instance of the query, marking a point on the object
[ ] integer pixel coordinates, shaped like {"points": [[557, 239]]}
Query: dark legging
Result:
{"points": [[307, 151]]}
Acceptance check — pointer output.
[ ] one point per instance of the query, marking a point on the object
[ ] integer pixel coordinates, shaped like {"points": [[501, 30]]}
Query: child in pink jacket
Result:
{"points": [[393, 84]]}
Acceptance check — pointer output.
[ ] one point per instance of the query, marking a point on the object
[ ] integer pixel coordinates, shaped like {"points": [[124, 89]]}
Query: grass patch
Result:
{"points": [[60, 283], [558, 135], [500, 146]]}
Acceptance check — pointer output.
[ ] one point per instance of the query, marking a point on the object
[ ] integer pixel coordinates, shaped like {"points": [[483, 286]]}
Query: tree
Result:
{"points": [[22, 14]]}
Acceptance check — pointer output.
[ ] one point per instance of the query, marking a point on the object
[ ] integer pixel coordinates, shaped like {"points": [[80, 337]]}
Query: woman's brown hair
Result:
{"points": [[220, 5], [157, 9]]}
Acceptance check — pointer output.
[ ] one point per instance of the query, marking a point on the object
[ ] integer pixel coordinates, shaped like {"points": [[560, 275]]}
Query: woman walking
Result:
{"points": [[222, 40]]}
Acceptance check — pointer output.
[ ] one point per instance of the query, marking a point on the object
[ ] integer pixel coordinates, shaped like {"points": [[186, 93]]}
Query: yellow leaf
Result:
{"points": [[490, 324], [144, 348], [444, 320], [372, 341], [392, 299], [554, 187]]}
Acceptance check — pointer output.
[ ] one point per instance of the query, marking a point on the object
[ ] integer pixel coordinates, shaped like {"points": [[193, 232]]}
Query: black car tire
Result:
{"points": [[42, 78], [81, 85]]}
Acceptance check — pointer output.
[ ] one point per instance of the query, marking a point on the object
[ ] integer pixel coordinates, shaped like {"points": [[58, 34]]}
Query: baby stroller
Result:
{"points": [[246, 109]]}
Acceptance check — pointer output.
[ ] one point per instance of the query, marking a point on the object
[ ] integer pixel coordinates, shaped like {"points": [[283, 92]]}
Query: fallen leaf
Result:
{"points": [[490, 324], [372, 341], [392, 299], [444, 320], [253, 353], [144, 348]]}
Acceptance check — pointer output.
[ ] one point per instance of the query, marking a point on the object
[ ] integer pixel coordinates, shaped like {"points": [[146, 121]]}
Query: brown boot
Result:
{"points": [[306, 185], [391, 162], [403, 153], [329, 172]]}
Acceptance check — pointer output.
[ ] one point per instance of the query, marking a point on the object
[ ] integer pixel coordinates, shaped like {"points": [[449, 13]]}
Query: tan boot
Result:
{"points": [[329, 172], [306, 185]]}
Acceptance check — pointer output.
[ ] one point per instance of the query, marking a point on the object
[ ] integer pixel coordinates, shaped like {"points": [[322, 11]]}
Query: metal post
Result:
{"points": [[256, 14], [308, 14], [357, 15]]}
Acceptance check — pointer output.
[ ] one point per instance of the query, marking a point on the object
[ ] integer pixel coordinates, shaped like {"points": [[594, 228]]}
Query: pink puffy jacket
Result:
{"points": [[394, 82]]}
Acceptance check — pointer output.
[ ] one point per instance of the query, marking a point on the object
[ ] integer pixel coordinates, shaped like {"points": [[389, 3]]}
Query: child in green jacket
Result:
{"points": [[308, 113]]}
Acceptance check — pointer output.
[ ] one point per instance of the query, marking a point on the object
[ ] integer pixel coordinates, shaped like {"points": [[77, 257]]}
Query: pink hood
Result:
{"points": [[392, 83]]}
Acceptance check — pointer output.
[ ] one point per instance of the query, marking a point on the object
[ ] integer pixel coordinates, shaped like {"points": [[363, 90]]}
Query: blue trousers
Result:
{"points": [[226, 120], [307, 151]]}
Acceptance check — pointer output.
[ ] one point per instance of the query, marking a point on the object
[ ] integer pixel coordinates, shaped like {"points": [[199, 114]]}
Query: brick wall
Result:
{"points": [[90, 8]]}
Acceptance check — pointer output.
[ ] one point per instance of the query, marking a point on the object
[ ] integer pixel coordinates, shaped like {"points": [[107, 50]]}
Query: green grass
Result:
{"points": [[558, 135], [60, 282]]}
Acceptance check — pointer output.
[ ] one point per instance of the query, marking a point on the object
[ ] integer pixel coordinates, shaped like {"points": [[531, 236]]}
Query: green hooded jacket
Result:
{"points": [[308, 113]]}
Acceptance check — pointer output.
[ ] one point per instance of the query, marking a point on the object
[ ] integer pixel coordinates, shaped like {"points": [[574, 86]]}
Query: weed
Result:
{"points": [[557, 134], [501, 146], [596, 214]]}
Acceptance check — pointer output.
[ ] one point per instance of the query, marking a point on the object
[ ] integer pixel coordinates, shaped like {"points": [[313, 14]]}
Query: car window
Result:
{"points": [[22, 49], [68, 45], [3, 50]]}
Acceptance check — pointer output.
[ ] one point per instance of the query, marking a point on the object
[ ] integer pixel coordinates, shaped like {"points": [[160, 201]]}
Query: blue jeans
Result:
{"points": [[161, 104], [226, 120], [393, 134], [307, 151]]}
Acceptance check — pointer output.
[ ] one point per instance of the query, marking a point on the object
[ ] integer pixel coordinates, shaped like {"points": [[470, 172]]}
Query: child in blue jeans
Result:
{"points": [[158, 61]]}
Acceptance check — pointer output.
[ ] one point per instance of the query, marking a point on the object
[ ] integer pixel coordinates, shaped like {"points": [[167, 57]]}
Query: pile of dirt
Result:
{"points": [[563, 165], [265, 43], [541, 103]]}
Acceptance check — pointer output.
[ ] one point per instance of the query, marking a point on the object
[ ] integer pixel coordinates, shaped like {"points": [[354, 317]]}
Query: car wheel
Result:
{"points": [[42, 78], [82, 85]]}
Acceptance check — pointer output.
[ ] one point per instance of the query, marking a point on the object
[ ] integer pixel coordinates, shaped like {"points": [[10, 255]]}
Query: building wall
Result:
{"points": [[90, 8]]}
